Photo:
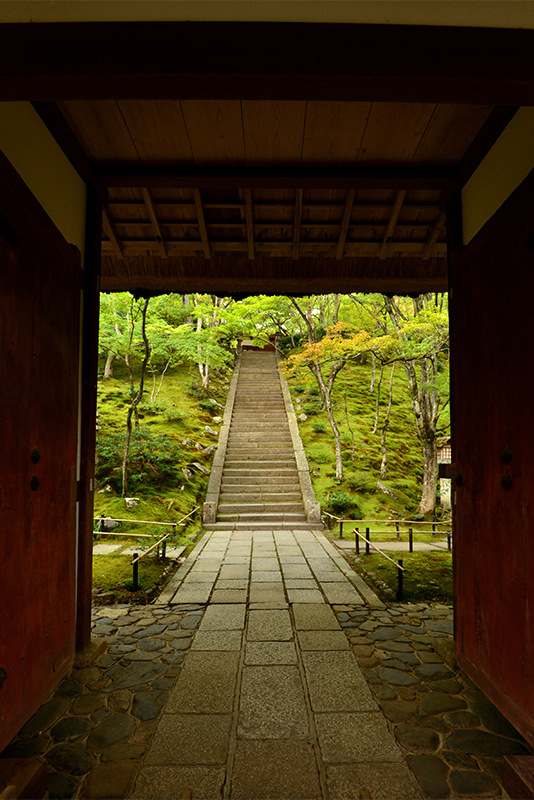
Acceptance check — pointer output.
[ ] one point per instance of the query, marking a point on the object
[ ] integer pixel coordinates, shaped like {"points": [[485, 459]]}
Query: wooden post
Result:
{"points": [[410, 540], [91, 299], [398, 530], [367, 540], [400, 585], [135, 573], [340, 528], [357, 540]]}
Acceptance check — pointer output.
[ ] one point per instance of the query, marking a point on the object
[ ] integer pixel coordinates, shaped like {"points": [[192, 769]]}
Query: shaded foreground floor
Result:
{"points": [[271, 698]]}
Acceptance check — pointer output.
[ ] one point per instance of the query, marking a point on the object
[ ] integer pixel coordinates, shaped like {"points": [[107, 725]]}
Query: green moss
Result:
{"points": [[427, 576]]}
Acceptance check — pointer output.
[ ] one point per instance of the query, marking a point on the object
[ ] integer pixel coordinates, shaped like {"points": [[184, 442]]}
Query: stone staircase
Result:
{"points": [[260, 485]]}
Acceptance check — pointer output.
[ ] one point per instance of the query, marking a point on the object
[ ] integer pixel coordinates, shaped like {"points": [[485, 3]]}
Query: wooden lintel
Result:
{"points": [[236, 60], [249, 212], [110, 232], [134, 177], [434, 235], [395, 211], [149, 203], [297, 223], [202, 224], [349, 202]]}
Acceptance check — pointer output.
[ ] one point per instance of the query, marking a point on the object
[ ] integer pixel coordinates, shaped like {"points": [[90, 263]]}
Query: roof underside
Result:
{"points": [[250, 193]]}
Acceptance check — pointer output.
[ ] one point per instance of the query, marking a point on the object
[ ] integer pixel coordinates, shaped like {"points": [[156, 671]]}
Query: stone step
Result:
{"points": [[271, 516], [271, 484], [260, 457], [263, 526], [248, 453], [255, 496], [257, 464], [241, 508]]}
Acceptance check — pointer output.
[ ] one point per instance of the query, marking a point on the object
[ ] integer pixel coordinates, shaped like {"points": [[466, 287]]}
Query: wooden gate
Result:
{"points": [[492, 353], [39, 354]]}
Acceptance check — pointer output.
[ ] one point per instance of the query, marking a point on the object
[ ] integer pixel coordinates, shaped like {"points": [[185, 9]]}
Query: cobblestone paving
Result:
{"points": [[97, 725], [452, 736]]}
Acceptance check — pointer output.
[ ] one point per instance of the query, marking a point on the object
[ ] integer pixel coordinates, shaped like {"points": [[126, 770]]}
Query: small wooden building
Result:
{"points": [[262, 147]]}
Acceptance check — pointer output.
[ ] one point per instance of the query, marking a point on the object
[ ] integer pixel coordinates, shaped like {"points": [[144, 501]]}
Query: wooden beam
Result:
{"points": [[202, 224], [236, 60], [349, 201], [250, 223], [149, 203], [136, 177], [494, 126], [399, 200], [297, 223], [110, 232], [434, 235], [176, 246]]}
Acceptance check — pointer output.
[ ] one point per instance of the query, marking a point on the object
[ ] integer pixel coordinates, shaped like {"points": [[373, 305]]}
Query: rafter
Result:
{"points": [[434, 236], [110, 233], [297, 223], [397, 205], [202, 224], [349, 202], [149, 203], [249, 212]]}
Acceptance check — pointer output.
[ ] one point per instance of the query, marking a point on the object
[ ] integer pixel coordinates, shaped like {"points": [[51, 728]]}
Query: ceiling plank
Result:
{"points": [[349, 202], [397, 206], [263, 60], [149, 203], [297, 223], [250, 223], [202, 224]]}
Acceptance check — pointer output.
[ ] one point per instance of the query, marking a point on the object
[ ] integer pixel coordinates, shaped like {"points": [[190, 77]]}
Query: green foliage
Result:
{"points": [[339, 502], [427, 576], [361, 482], [153, 458], [319, 427]]}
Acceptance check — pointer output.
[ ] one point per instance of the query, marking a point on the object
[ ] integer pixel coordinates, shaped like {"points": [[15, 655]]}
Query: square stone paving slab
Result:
{"points": [[262, 564], [300, 583], [263, 653], [323, 640], [205, 685], [294, 776], [193, 593], [296, 571], [269, 626], [267, 593], [224, 617], [330, 577], [190, 739], [357, 736], [263, 576], [339, 593], [272, 704], [162, 783], [197, 576], [336, 682], [234, 572], [353, 781], [229, 596], [305, 596], [318, 617], [232, 584], [217, 640]]}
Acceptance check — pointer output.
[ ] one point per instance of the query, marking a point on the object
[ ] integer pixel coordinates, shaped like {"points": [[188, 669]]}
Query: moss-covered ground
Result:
{"points": [[427, 577], [164, 473]]}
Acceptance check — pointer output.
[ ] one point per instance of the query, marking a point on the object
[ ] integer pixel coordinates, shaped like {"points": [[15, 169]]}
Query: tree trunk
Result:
{"points": [[384, 463], [375, 426], [373, 373], [135, 402], [108, 369], [430, 474]]}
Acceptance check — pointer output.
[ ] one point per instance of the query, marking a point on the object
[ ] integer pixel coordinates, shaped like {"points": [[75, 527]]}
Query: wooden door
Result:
{"points": [[492, 353], [39, 354]]}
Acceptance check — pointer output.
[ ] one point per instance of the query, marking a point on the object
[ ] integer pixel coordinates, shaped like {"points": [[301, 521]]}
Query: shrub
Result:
{"points": [[311, 409], [339, 502], [361, 482], [152, 457], [319, 427]]}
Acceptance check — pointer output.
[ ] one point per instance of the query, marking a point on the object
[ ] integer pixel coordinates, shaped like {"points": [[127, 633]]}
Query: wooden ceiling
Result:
{"points": [[285, 180]]}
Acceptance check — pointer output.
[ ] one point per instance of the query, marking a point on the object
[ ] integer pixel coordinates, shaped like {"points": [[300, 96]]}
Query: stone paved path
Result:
{"points": [[280, 699]]}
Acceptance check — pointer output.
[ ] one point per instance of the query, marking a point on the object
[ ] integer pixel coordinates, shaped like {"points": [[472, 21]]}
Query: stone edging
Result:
{"points": [[311, 504], [211, 502]]}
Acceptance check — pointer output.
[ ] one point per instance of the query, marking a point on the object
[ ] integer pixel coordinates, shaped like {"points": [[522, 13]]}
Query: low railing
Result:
{"points": [[162, 541], [368, 543]]}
